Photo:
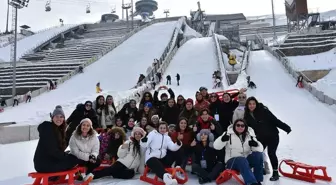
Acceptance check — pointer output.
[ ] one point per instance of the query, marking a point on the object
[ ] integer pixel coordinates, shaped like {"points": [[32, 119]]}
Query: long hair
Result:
{"points": [[136, 148], [247, 110], [79, 132], [60, 132], [106, 105]]}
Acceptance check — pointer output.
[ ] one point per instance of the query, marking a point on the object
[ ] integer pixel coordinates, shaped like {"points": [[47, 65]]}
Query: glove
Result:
{"points": [[144, 140], [92, 157], [225, 138], [252, 143], [178, 142], [289, 130]]}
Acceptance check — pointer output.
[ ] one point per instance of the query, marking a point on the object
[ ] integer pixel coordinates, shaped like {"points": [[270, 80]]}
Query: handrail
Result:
{"points": [[220, 61]]}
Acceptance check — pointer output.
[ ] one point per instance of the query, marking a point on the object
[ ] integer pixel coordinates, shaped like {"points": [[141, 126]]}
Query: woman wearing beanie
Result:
{"points": [[131, 159], [266, 125], [206, 165], [240, 110], [157, 144], [84, 144], [49, 154], [242, 151], [148, 111]]}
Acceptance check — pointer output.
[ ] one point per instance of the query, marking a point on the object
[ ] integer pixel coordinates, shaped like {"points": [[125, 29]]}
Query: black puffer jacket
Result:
{"points": [[171, 114], [209, 154]]}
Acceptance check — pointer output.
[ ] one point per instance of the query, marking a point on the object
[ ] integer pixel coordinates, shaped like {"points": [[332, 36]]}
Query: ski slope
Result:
{"points": [[116, 71], [195, 61], [312, 122], [31, 42]]}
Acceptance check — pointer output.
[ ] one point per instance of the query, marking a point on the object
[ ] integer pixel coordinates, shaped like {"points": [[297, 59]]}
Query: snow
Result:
{"points": [[189, 32], [195, 61], [326, 60], [4, 39], [312, 122], [117, 72], [280, 40], [31, 42], [221, 37], [327, 84]]}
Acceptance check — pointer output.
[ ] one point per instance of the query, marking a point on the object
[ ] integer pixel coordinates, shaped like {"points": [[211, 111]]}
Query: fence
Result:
{"points": [[295, 74], [220, 60], [20, 133]]}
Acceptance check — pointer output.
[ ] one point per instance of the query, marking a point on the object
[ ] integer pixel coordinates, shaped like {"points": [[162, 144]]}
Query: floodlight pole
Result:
{"points": [[7, 16], [166, 12], [274, 31], [132, 14]]}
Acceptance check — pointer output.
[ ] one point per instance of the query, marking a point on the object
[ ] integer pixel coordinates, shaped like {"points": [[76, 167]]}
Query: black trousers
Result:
{"points": [[272, 146], [117, 170], [168, 82], [28, 99], [69, 162], [15, 102], [90, 166], [178, 82], [180, 157], [212, 173], [158, 165]]}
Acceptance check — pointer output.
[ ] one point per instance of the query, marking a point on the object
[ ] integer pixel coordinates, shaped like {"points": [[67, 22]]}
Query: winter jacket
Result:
{"points": [[80, 113], [201, 124], [238, 113], [131, 160], [161, 104], [157, 145], [201, 105], [48, 152], [226, 113], [82, 147], [142, 113], [188, 137], [171, 115], [264, 123], [98, 89], [108, 119], [127, 112], [214, 108], [205, 153], [235, 147], [191, 115]]}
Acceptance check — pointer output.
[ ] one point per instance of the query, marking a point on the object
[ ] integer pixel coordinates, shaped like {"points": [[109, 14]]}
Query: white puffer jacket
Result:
{"points": [[130, 159], [234, 147], [108, 119], [82, 147], [157, 145], [238, 113]]}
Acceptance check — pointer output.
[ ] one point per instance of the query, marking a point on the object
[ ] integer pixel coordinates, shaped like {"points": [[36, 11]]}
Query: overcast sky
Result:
{"points": [[73, 11]]}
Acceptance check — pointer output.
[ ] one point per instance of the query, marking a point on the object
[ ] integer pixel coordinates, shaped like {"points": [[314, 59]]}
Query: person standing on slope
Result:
{"points": [[178, 79], [265, 125], [168, 80]]}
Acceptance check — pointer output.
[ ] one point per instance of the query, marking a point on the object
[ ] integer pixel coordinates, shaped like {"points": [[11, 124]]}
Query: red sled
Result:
{"points": [[231, 92], [65, 177], [309, 174], [172, 171], [105, 164], [227, 175], [300, 85]]}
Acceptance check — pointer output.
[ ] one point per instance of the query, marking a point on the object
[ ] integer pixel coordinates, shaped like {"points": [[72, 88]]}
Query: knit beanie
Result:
{"points": [[211, 137], [58, 111], [148, 104], [86, 120], [155, 117], [138, 129], [189, 100]]}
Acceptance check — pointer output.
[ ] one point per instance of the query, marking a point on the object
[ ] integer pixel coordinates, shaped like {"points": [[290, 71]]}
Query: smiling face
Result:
{"points": [[213, 97], [189, 106], [119, 122], [143, 121], [171, 103], [58, 120], [147, 97], [204, 137], [240, 127], [146, 109], [85, 127], [199, 96], [137, 136], [252, 105], [88, 106], [101, 101], [183, 125], [163, 128], [109, 100], [205, 116], [226, 98]]}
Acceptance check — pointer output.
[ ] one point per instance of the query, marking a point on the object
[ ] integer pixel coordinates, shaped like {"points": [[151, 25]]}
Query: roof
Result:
{"points": [[225, 17], [24, 27]]}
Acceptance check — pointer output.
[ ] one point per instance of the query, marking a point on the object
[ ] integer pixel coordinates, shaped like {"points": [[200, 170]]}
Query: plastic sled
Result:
{"points": [[231, 91], [2, 110], [105, 164], [309, 174], [172, 171], [300, 85], [227, 175]]}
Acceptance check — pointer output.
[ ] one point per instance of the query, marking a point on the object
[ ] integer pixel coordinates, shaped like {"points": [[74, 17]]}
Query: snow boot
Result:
{"points": [[79, 176], [203, 180], [88, 177], [168, 180], [275, 176]]}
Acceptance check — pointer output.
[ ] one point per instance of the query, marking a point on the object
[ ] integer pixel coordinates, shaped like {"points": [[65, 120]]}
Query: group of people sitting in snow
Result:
{"points": [[209, 134]]}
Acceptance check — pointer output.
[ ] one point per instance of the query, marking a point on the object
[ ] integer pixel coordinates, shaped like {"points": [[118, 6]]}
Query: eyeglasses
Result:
{"points": [[240, 125], [241, 97]]}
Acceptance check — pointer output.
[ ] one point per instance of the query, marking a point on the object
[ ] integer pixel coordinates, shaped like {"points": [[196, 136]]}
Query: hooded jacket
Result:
{"points": [[235, 147], [157, 145], [82, 147], [130, 159]]}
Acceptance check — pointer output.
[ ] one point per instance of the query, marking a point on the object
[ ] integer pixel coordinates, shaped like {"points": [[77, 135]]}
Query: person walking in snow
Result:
{"points": [[299, 81], [16, 100], [159, 76], [28, 96], [178, 79], [217, 83], [168, 80], [265, 125]]}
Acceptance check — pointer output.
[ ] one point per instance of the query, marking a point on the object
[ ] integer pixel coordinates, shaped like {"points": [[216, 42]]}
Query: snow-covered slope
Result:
{"points": [[327, 84], [31, 42], [195, 62], [312, 122], [116, 71], [326, 60]]}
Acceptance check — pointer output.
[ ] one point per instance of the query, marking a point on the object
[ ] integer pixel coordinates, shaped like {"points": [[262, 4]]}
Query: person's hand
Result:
{"points": [[193, 143], [243, 90], [124, 146], [180, 136], [107, 157], [212, 126], [92, 158], [252, 143], [225, 137]]}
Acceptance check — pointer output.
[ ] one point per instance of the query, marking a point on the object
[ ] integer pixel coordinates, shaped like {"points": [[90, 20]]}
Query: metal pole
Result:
{"points": [[7, 16], [132, 15], [127, 19], [14, 59], [122, 9], [274, 31]]}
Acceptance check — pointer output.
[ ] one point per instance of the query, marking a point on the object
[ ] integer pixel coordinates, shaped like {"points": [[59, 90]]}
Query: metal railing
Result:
{"points": [[220, 61]]}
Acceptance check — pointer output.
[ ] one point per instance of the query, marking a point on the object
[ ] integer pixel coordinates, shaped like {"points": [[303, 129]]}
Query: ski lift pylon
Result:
{"points": [[47, 6], [88, 9]]}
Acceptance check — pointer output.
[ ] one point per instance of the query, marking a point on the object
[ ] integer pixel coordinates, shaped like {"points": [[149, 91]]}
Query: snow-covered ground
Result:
{"points": [[195, 61], [312, 122], [327, 84], [117, 71], [326, 60], [31, 42], [280, 39], [4, 39], [189, 32]]}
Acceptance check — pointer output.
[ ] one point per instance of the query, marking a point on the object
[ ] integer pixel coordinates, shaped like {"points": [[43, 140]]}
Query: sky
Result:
{"points": [[73, 11]]}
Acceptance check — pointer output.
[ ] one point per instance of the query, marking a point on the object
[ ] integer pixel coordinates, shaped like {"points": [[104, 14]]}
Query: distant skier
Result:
{"points": [[299, 82], [98, 89], [168, 80], [178, 79], [16, 100], [159, 75], [80, 69], [28, 96], [217, 83]]}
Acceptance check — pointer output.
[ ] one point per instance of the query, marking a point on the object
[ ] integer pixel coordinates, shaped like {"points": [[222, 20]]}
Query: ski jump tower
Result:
{"points": [[145, 8], [297, 15]]}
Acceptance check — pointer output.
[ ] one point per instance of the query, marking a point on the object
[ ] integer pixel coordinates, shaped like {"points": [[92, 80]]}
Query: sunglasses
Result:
{"points": [[241, 97], [88, 105], [240, 125]]}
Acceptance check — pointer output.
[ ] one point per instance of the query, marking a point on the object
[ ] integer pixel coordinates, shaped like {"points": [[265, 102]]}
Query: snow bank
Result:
{"points": [[241, 81], [280, 40], [327, 84], [189, 32], [326, 60], [221, 37]]}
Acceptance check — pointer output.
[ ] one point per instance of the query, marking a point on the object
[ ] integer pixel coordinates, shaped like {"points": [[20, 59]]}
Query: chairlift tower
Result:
{"points": [[126, 7], [166, 12], [16, 4]]}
